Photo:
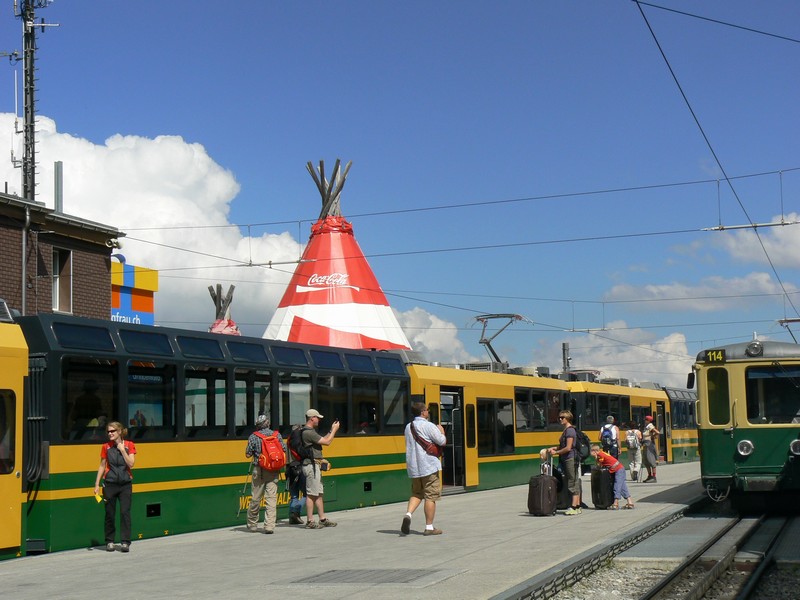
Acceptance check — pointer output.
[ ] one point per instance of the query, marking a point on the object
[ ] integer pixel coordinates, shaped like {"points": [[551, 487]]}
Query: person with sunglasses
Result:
{"points": [[568, 460], [117, 457]]}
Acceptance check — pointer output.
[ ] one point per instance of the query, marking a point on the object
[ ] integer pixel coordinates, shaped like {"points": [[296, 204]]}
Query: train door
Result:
{"points": [[451, 402], [13, 368], [663, 442]]}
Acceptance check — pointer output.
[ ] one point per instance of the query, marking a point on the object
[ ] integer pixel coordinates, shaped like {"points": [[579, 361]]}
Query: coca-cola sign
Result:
{"points": [[318, 282]]}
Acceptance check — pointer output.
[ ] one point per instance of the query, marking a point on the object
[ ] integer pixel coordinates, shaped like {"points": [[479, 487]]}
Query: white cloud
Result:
{"points": [[713, 293], [782, 244], [132, 182], [619, 352]]}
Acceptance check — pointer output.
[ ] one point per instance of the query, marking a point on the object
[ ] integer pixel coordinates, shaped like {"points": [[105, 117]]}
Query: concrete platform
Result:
{"points": [[490, 548]]}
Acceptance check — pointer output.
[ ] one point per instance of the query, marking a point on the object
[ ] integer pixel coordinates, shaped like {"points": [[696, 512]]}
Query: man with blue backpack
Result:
{"points": [[609, 437]]}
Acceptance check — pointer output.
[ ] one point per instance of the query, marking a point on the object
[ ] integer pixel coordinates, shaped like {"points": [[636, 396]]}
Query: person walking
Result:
{"points": [[117, 457], [633, 439], [423, 468], [568, 460], [312, 469], [650, 441], [264, 483], [616, 468], [609, 437]]}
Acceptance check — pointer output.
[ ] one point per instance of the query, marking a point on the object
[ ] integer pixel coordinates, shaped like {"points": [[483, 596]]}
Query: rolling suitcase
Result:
{"points": [[542, 491], [602, 488]]}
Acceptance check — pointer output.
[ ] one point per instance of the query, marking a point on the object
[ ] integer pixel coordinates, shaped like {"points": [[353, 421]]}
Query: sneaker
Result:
{"points": [[653, 480], [572, 511], [125, 548], [405, 528], [110, 547], [327, 523], [294, 519], [269, 531], [313, 525], [252, 528], [433, 531]]}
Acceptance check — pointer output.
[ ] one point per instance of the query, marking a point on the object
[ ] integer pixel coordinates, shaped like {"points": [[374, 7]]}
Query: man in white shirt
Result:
{"points": [[423, 468]]}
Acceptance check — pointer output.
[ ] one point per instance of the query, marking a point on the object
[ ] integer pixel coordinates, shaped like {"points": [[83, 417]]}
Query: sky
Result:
{"points": [[563, 161]]}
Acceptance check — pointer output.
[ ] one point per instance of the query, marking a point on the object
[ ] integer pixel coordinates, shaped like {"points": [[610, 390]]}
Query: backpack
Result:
{"points": [[272, 456], [607, 437], [297, 449], [632, 439], [582, 445]]}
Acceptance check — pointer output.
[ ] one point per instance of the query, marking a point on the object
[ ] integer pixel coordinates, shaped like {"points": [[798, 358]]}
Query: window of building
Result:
{"points": [[62, 280]]}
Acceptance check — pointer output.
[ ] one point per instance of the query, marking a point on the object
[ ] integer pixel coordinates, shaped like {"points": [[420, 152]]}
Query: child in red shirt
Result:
{"points": [[618, 470]]}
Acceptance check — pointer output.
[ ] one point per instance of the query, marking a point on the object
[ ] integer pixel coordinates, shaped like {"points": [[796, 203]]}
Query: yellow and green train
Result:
{"points": [[190, 400]]}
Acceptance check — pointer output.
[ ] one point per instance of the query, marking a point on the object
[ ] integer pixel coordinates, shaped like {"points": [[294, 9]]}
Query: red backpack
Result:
{"points": [[272, 457]]}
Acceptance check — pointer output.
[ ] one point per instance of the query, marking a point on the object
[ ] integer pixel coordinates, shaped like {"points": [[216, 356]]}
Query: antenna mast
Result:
{"points": [[26, 13]]}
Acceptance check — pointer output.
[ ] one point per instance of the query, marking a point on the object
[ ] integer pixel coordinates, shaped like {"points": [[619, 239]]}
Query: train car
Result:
{"points": [[749, 421], [190, 399]]}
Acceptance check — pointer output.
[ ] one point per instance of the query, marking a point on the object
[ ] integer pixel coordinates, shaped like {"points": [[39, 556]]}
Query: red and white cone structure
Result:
{"points": [[333, 298]]}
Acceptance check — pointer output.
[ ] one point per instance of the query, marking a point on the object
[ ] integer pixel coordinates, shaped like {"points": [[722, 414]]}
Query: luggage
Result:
{"points": [[602, 488], [542, 491]]}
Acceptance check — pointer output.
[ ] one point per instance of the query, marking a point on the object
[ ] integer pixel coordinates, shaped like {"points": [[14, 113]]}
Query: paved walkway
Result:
{"points": [[490, 545]]}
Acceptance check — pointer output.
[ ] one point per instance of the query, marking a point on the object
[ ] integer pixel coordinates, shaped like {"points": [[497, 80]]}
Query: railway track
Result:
{"points": [[697, 556]]}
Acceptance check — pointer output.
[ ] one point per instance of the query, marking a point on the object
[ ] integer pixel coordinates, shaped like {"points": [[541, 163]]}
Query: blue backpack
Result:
{"points": [[607, 437]]}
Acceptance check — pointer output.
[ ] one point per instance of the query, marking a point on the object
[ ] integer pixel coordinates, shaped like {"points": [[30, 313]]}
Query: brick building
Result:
{"points": [[67, 260]]}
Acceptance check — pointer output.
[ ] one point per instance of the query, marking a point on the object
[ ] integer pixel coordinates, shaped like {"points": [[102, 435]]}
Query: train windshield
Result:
{"points": [[773, 394]]}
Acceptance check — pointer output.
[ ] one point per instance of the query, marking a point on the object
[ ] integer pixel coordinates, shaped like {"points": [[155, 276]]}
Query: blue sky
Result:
{"points": [[519, 157]]}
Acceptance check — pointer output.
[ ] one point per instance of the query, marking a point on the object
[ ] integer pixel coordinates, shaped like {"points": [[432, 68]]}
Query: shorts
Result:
{"points": [[428, 487], [313, 479]]}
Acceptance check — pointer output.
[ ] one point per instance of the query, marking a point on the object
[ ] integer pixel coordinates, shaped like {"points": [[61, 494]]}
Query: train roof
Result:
{"points": [[749, 350], [65, 333]]}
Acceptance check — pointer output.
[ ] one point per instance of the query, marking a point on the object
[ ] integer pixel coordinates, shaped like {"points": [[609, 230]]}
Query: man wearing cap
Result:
{"points": [[265, 483], [649, 437], [312, 470]]}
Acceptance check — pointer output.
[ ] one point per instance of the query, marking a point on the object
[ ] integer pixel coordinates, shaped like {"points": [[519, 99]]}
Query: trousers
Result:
{"points": [[265, 485]]}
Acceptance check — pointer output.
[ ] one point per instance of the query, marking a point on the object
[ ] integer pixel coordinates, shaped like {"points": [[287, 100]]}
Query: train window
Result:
{"points": [[293, 398], [530, 409], [360, 363], [332, 400], [252, 397], [145, 342], [554, 402], [248, 352], [205, 393], [390, 366], [495, 427], [772, 395], [151, 400], [327, 360], [90, 398], [395, 405], [290, 357], [365, 404], [719, 411], [470, 426], [199, 347], [85, 337], [7, 438]]}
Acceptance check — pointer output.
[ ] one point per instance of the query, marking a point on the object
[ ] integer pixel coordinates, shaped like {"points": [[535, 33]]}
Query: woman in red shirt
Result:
{"points": [[117, 457], [618, 470]]}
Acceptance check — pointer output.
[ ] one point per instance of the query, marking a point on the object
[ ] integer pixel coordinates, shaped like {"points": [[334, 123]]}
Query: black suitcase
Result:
{"points": [[542, 491], [602, 488]]}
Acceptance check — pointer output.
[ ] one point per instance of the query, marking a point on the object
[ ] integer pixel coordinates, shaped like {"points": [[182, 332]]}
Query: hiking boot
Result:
{"points": [[405, 528], [110, 547], [252, 528], [634, 474], [433, 531], [313, 525], [327, 523], [572, 511], [294, 519], [269, 531], [125, 547]]}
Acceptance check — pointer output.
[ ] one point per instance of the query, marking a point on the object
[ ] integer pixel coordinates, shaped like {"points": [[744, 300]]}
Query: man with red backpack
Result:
{"points": [[265, 481]]}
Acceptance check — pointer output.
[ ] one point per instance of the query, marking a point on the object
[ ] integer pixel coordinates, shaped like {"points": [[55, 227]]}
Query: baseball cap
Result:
{"points": [[648, 418], [313, 413]]}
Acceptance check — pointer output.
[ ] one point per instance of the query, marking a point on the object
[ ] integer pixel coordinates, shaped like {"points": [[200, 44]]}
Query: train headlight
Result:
{"points": [[794, 447], [754, 348], [745, 447]]}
